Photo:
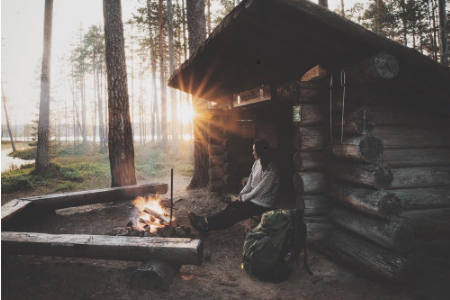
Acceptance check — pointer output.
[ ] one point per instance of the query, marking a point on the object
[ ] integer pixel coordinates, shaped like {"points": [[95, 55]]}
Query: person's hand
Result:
{"points": [[239, 198]]}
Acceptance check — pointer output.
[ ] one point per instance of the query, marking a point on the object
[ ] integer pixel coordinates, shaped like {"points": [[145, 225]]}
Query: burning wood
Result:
{"points": [[154, 214]]}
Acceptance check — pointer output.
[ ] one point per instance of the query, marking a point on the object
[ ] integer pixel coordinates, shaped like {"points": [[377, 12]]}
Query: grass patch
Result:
{"points": [[81, 168]]}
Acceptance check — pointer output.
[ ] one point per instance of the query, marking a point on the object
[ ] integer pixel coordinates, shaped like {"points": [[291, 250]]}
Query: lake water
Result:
{"points": [[9, 163]]}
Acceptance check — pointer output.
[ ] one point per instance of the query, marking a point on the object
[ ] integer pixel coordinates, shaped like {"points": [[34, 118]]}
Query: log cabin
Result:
{"points": [[360, 124]]}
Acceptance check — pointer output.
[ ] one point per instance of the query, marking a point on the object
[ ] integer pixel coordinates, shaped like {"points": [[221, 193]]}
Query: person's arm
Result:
{"points": [[269, 182], [248, 186]]}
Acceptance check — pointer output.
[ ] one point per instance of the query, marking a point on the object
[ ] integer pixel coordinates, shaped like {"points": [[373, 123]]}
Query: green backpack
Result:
{"points": [[279, 233]]}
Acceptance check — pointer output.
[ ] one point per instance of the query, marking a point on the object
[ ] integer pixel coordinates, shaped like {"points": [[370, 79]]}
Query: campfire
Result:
{"points": [[151, 219]]}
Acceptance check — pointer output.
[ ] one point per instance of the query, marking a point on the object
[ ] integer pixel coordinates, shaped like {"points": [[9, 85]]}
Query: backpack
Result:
{"points": [[280, 232]]}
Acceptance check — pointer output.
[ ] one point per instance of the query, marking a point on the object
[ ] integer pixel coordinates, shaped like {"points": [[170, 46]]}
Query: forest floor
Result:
{"points": [[218, 277]]}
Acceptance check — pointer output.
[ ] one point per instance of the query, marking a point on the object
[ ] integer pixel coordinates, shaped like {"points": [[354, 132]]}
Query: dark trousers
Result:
{"points": [[234, 212]]}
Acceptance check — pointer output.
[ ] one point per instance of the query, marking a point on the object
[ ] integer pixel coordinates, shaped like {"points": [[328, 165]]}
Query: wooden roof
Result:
{"points": [[274, 41]]}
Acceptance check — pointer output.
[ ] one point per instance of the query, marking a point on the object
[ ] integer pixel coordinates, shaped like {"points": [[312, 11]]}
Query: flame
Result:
{"points": [[143, 219]]}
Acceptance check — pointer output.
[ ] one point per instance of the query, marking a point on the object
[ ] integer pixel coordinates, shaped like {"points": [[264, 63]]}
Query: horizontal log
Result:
{"points": [[380, 204], [400, 116], [429, 222], [154, 274], [381, 66], [13, 208], [358, 148], [373, 176], [216, 160], [216, 172], [310, 183], [230, 156], [411, 137], [172, 250], [309, 161], [216, 185], [230, 168], [416, 157], [238, 145], [316, 205], [245, 159], [360, 121], [393, 234], [366, 256], [301, 92], [418, 177], [318, 229], [419, 198], [123, 193], [216, 137], [216, 149], [309, 115], [310, 138]]}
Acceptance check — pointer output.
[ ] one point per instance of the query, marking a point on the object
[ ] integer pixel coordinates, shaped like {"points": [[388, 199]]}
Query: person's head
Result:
{"points": [[263, 151]]}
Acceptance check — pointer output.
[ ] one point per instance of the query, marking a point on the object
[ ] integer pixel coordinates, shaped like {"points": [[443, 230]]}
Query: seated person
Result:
{"points": [[257, 196]]}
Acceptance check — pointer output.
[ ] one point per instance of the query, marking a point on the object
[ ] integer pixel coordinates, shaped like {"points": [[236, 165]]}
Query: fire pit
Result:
{"points": [[162, 253]]}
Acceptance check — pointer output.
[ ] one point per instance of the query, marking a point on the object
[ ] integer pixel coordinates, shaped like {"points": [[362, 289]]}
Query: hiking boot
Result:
{"points": [[199, 223]]}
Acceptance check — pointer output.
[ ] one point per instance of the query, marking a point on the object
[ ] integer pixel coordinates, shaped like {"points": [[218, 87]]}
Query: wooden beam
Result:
{"points": [[380, 204], [123, 193], [318, 229], [373, 176], [172, 250], [416, 157], [420, 198], [13, 208], [310, 138], [315, 73], [309, 161], [358, 148], [316, 205], [420, 177], [394, 234], [411, 137], [308, 114], [310, 183], [381, 66], [429, 222]]}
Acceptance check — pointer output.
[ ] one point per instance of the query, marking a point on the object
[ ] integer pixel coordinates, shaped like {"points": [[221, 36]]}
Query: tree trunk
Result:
{"points": [[7, 120], [121, 149], [379, 4], [197, 34], [342, 8], [173, 94], [42, 153], [162, 76], [443, 39]]}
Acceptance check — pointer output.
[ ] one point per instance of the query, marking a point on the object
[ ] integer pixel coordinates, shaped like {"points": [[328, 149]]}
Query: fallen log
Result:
{"points": [[423, 198], [429, 222], [318, 229], [154, 274], [394, 234], [380, 204], [373, 176], [316, 205], [124, 193], [420, 177], [366, 257], [13, 208], [381, 66], [411, 137], [310, 183], [309, 161], [308, 115], [172, 250], [416, 157], [310, 138], [358, 148]]}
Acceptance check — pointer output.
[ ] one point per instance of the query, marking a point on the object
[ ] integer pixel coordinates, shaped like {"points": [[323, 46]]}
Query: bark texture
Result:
{"points": [[121, 149]]}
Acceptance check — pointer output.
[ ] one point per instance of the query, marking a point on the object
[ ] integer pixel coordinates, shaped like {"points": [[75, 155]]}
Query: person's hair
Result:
{"points": [[265, 153]]}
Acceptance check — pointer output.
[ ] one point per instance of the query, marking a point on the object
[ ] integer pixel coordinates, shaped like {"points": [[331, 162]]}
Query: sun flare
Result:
{"points": [[186, 114]]}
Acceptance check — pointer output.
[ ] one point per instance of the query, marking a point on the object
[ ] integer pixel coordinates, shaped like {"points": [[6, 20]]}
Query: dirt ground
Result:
{"points": [[219, 276]]}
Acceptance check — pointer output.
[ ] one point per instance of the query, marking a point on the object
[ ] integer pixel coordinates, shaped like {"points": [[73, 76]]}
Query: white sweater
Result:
{"points": [[262, 186]]}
